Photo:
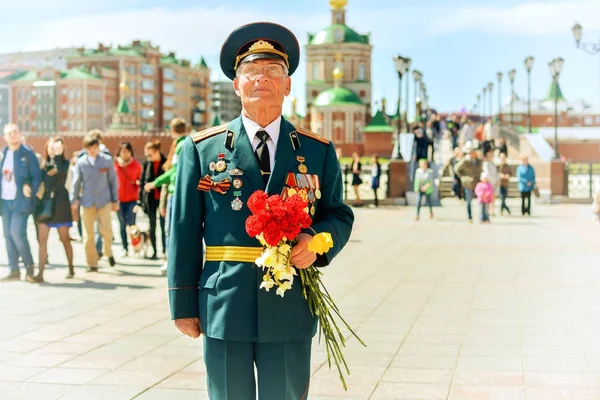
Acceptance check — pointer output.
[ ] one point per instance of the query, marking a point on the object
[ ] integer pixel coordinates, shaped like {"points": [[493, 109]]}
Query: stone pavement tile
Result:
{"points": [[491, 335], [570, 351], [425, 362], [141, 378], [561, 394], [94, 338], [436, 327], [19, 345], [98, 361], [176, 352], [412, 375], [361, 382], [67, 376], [172, 394], [7, 356], [434, 338], [562, 379], [367, 359], [66, 347], [459, 392], [145, 363], [395, 390], [479, 378], [481, 350], [430, 349], [91, 392], [39, 360], [556, 364], [548, 340], [34, 391], [184, 380], [354, 345], [198, 367], [11, 373], [508, 364]]}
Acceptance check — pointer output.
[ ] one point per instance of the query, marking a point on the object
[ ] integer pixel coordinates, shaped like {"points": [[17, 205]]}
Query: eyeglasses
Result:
{"points": [[270, 70]]}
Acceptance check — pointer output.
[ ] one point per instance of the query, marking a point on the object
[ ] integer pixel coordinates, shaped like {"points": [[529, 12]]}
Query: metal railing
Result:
{"points": [[510, 136], [583, 179], [365, 192]]}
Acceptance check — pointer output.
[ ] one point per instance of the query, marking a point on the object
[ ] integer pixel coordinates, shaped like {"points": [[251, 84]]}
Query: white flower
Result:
{"points": [[268, 258], [267, 282], [285, 249], [283, 287]]}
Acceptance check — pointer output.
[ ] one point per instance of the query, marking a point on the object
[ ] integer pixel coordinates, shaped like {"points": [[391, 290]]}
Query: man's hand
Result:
{"points": [[189, 327], [27, 190], [163, 212], [148, 187], [115, 207], [301, 257]]}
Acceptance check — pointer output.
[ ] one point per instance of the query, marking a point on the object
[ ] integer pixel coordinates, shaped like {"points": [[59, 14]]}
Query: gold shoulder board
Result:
{"points": [[307, 133], [215, 130]]}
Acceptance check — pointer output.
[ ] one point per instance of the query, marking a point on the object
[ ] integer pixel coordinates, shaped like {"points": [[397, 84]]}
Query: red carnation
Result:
{"points": [[257, 201]]}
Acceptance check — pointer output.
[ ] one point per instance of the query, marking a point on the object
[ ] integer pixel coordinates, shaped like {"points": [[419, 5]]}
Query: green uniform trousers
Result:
{"points": [[283, 369]]}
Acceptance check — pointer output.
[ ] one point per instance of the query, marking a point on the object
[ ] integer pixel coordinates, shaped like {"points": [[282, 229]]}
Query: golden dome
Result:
{"points": [[338, 4], [338, 74]]}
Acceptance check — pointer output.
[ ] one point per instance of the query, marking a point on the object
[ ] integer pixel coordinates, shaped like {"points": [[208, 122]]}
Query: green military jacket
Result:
{"points": [[225, 295]]}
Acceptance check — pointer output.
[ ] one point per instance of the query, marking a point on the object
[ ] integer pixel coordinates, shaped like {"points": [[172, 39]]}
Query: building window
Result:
{"points": [[145, 113], [168, 74], [70, 110], [51, 125], [147, 99], [20, 94], [132, 69], [169, 102], [132, 100], [78, 93], [168, 115], [315, 93], [362, 93], [26, 126], [361, 72], [147, 84], [27, 95], [45, 125], [168, 88], [26, 110], [147, 69], [20, 111], [71, 94], [79, 125], [589, 120], [78, 109], [315, 71], [131, 84]]}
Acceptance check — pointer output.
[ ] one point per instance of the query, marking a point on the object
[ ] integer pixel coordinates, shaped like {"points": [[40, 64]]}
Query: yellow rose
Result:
{"points": [[320, 243]]}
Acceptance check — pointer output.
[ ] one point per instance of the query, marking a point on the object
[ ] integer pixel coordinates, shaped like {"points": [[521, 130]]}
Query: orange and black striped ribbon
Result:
{"points": [[206, 184]]}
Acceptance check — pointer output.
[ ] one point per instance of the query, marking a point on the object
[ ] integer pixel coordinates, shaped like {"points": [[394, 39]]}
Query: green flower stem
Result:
{"points": [[321, 304]]}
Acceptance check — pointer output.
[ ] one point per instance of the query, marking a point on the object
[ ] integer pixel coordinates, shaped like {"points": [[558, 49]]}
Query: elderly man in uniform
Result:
{"points": [[216, 294]]}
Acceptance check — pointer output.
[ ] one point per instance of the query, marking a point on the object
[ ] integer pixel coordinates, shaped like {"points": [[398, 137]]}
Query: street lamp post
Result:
{"points": [[400, 64], [499, 76], [490, 86], [590, 48], [555, 68], [484, 90], [408, 64], [479, 104], [528, 66], [511, 76], [417, 76]]}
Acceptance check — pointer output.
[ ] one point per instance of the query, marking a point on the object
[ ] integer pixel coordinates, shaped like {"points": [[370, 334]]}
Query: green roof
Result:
{"points": [[78, 73], [27, 76], [119, 51], [336, 96], [329, 34], [123, 107], [169, 59], [202, 63], [217, 121], [554, 91], [378, 124]]}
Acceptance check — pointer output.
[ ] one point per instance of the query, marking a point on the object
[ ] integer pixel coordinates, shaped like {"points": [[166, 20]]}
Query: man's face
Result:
{"points": [[262, 83], [13, 137], [525, 160], [93, 150]]}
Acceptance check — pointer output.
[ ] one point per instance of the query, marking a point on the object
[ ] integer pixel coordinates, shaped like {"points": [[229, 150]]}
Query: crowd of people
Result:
{"points": [[84, 190]]}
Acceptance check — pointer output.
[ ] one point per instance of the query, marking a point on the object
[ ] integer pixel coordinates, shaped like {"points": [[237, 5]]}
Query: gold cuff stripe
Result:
{"points": [[233, 253]]}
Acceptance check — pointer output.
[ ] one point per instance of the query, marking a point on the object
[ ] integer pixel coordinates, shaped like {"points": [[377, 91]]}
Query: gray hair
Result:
{"points": [[9, 128]]}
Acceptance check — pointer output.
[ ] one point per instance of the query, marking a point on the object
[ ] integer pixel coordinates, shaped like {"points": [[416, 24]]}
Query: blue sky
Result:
{"points": [[459, 45]]}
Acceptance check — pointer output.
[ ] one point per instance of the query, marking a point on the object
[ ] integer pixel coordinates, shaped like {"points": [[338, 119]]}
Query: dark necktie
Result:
{"points": [[262, 154]]}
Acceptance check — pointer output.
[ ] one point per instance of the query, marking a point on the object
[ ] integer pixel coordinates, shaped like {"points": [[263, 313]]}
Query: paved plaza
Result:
{"points": [[448, 310]]}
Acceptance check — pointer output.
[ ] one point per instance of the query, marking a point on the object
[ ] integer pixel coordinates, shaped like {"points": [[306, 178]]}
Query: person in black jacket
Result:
{"points": [[55, 168], [149, 201]]}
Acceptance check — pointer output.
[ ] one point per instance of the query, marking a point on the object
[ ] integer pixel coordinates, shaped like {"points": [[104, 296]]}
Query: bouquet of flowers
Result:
{"points": [[276, 223]]}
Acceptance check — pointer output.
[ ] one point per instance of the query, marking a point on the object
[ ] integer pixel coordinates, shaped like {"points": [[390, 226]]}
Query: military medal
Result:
{"points": [[237, 183], [221, 165], [212, 166], [236, 204], [236, 172], [312, 210], [301, 168], [317, 186]]}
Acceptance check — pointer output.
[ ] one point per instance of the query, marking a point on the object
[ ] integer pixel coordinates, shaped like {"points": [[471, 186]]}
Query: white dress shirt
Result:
{"points": [[272, 129]]}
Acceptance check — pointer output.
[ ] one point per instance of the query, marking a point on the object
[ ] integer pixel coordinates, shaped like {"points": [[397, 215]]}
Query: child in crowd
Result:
{"points": [[485, 194]]}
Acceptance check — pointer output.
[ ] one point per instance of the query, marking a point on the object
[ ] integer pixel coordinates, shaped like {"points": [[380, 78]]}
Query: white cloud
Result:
{"points": [[534, 18]]}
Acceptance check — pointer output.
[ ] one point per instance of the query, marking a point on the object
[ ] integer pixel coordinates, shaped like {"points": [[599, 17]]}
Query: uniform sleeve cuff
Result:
{"points": [[184, 303]]}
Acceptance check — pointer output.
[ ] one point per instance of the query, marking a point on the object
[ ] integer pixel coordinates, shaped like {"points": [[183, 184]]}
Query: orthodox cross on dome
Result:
{"points": [[338, 11], [338, 71], [123, 87]]}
